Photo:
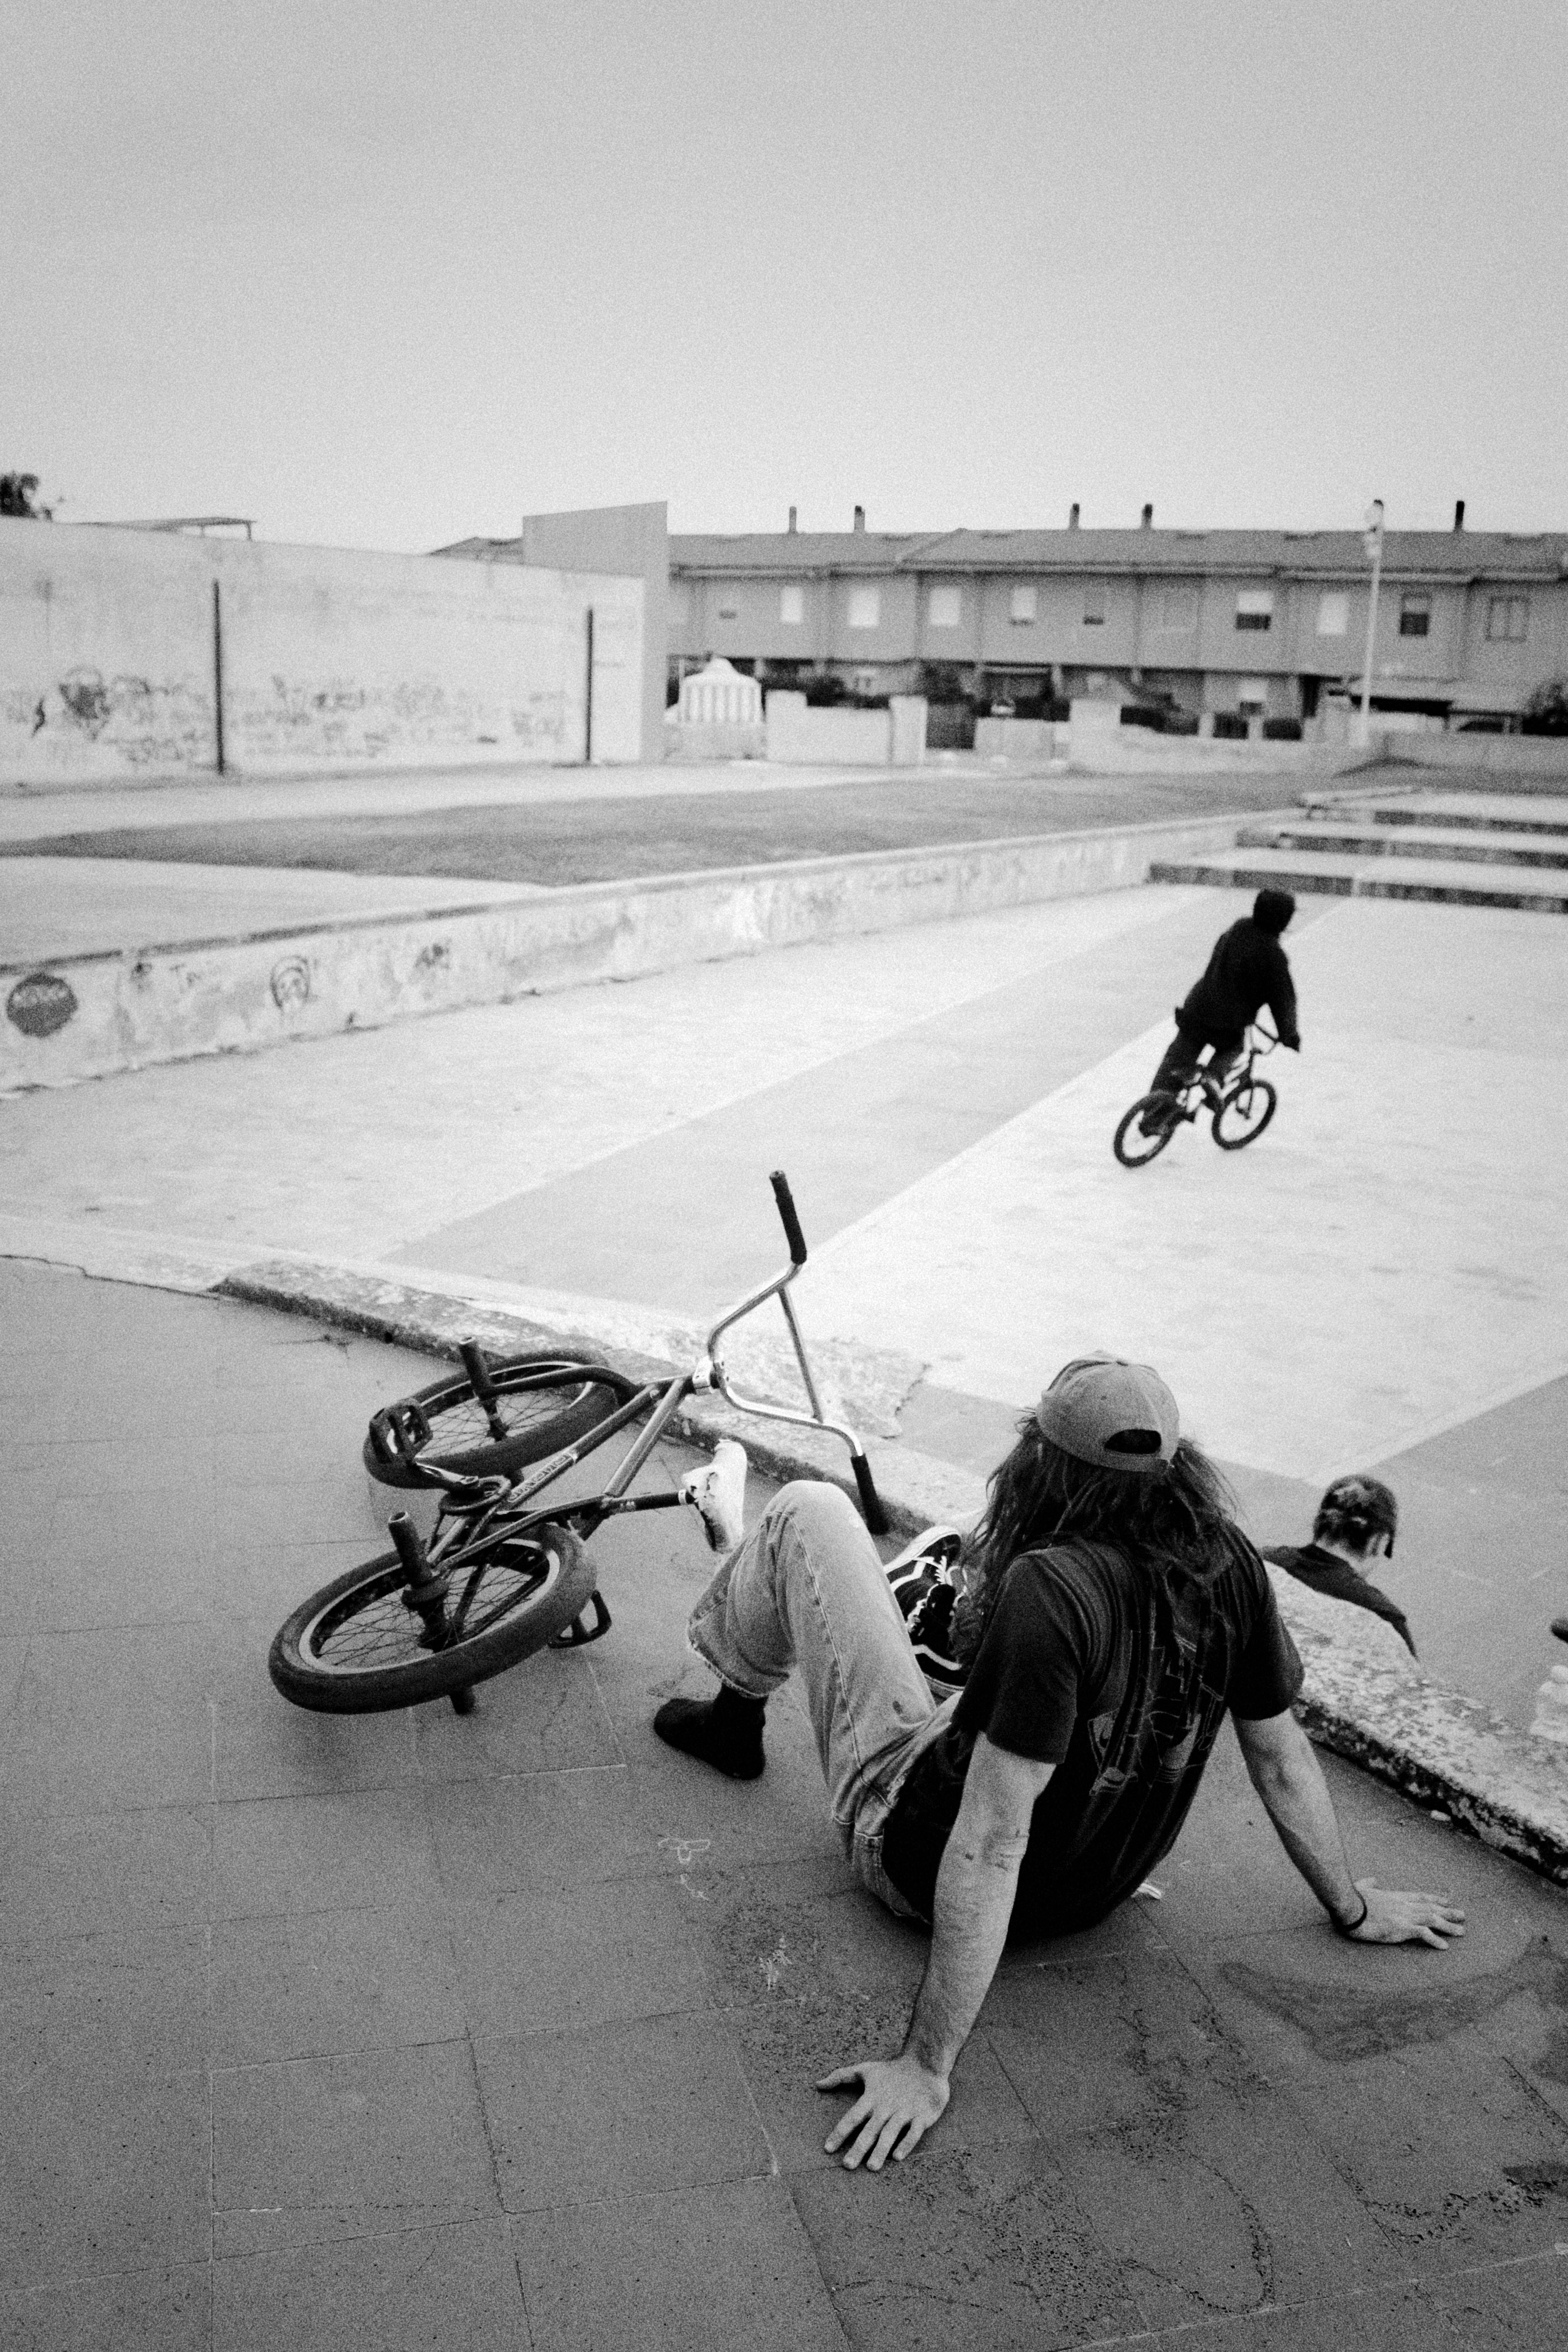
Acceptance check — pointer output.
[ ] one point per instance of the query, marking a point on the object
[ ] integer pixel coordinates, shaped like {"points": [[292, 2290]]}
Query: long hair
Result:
{"points": [[1355, 1511], [1037, 1495]]}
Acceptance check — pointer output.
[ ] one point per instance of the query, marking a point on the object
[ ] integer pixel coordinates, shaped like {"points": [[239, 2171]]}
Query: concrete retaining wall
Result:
{"points": [[800, 735], [83, 1016], [1017, 739], [112, 649]]}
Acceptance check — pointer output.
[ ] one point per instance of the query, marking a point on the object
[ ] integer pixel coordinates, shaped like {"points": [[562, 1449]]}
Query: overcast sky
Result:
{"points": [[384, 273]]}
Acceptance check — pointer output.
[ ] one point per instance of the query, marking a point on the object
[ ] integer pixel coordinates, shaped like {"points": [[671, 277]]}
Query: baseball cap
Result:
{"points": [[1117, 1415]]}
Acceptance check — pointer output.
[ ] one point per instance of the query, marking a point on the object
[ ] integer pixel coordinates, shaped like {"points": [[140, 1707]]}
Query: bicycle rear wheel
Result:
{"points": [[355, 1647], [539, 1404], [1244, 1114], [1130, 1145]]}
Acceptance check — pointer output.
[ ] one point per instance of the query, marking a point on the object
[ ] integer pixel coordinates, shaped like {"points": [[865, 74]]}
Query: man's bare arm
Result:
{"points": [[900, 2098], [1289, 1778]]}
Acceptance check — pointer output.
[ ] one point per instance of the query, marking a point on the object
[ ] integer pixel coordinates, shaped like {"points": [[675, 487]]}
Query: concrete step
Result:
{"points": [[1488, 812], [1373, 877], [1426, 842]]}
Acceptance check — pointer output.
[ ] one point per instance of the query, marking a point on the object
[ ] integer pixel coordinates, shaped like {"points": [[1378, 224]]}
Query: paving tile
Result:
{"points": [[265, 1586], [361, 1850], [781, 1817], [13, 1651], [107, 1466], [116, 1716], [613, 2111], [264, 1747], [453, 2287], [1091, 2046], [992, 2249], [1222, 2203], [1400, 2318], [576, 1956], [1517, 2307], [104, 2174], [805, 1931], [140, 1559], [544, 1716], [113, 1872], [785, 2050], [132, 2002], [323, 1511], [134, 2311], [707, 2269], [323, 1983], [319, 2148], [499, 1836]]}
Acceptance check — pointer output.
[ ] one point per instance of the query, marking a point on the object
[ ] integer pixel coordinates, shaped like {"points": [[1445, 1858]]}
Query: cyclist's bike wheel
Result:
{"points": [[537, 1405], [355, 1645], [1134, 1148], [1244, 1114]]}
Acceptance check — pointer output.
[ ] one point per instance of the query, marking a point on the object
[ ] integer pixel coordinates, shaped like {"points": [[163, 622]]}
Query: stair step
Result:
{"points": [[1427, 842], [1488, 811], [1373, 877]]}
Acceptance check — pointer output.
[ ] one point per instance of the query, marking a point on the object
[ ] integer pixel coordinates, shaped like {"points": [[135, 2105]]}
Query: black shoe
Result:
{"points": [[726, 1732]]}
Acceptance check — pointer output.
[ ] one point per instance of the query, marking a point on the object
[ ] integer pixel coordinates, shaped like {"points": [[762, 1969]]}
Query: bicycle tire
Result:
{"points": [[1136, 1150], [353, 1648], [546, 1401], [1244, 1102]]}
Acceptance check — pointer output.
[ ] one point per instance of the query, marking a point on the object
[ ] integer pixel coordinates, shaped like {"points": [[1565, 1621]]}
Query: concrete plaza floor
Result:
{"points": [[407, 2031], [1378, 1284]]}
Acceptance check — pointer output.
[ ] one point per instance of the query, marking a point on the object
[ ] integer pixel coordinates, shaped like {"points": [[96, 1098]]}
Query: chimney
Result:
{"points": [[792, 520], [1458, 514], [859, 518], [1146, 521], [1072, 516]]}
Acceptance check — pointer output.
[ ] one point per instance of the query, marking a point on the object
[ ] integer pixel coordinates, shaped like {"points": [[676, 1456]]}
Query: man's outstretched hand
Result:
{"points": [[898, 2105], [1393, 1919]]}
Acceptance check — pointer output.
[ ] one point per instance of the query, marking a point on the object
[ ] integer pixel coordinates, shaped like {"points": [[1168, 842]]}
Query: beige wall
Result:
{"points": [[627, 542], [333, 659]]}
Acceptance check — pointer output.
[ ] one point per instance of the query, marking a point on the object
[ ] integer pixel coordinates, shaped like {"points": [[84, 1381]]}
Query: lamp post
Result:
{"points": [[1372, 542]]}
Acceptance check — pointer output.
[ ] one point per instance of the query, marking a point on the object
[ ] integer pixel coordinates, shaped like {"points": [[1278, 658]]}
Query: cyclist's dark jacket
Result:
{"points": [[1118, 1671], [1248, 968], [1326, 1572]]}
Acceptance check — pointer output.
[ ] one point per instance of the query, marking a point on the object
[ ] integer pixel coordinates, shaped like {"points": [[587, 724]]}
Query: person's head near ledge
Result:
{"points": [[1357, 1519]]}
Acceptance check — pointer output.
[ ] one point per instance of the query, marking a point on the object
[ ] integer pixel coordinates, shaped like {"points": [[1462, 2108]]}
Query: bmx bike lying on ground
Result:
{"points": [[507, 1570], [1242, 1108]]}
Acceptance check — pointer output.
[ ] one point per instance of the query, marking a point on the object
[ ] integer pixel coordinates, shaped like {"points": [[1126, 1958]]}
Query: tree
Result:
{"points": [[19, 496], [1546, 711]]}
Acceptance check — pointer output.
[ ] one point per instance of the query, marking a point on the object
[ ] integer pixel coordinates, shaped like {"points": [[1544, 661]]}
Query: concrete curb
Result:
{"points": [[85, 1015], [1321, 882], [1364, 1697]]}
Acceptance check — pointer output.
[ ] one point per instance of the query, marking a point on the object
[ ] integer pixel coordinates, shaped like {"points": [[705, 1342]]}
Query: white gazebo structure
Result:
{"points": [[720, 696]]}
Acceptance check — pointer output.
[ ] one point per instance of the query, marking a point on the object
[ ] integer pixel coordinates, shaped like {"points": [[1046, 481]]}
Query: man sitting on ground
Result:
{"points": [[1247, 970], [1354, 1528], [1114, 1612]]}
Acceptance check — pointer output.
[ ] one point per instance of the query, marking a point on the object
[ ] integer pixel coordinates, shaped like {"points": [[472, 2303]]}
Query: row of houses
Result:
{"points": [[1272, 623]]}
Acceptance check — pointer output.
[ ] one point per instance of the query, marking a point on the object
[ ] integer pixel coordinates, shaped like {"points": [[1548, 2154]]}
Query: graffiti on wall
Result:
{"points": [[339, 717], [142, 722], [41, 1004]]}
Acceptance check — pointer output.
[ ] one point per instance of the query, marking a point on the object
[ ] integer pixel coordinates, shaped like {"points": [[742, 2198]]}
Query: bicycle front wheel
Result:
{"points": [[1132, 1146], [1244, 1114], [539, 1404], [355, 1647]]}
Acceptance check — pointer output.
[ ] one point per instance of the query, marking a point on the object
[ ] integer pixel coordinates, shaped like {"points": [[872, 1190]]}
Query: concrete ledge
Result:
{"points": [[1323, 880], [80, 1016], [1364, 1697]]}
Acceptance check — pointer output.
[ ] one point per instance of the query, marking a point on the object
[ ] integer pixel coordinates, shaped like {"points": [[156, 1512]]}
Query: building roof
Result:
{"points": [[1333, 554]]}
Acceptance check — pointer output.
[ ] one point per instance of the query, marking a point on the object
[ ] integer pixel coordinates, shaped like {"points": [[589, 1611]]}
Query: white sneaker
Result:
{"points": [[718, 1494]]}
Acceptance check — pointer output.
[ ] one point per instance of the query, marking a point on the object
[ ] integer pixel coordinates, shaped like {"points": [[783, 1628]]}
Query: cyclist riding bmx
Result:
{"points": [[1247, 969]]}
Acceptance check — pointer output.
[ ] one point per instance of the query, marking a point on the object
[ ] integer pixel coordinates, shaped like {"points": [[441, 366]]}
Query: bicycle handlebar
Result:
{"points": [[791, 1223]]}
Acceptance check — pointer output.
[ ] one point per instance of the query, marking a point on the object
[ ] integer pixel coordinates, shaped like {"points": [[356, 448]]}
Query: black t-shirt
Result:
{"points": [[1118, 1671], [1325, 1572]]}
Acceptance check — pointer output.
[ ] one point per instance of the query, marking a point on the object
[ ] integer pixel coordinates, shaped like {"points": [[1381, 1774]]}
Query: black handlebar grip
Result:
{"points": [[793, 1234], [870, 1501]]}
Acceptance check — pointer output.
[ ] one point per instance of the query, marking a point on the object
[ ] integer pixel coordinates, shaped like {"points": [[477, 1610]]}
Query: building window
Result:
{"points": [[866, 681], [1252, 695], [729, 611], [1255, 608], [1177, 607], [1094, 608], [1415, 616], [1333, 612], [1024, 606], [1508, 619], [865, 608], [946, 607], [792, 606]]}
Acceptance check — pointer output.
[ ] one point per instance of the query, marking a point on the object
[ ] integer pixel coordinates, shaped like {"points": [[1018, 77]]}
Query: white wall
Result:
{"points": [[332, 658]]}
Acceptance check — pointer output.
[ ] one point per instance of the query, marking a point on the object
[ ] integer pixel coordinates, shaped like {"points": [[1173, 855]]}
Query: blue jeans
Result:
{"points": [[806, 1588]]}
